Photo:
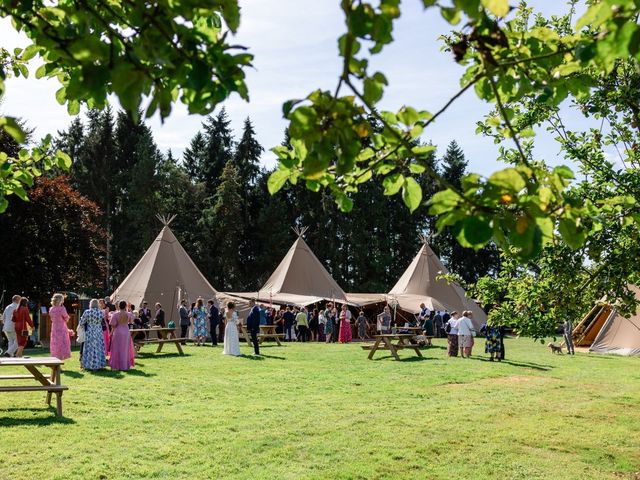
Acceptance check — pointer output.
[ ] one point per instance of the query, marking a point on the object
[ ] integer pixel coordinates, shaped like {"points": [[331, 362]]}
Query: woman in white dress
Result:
{"points": [[231, 340]]}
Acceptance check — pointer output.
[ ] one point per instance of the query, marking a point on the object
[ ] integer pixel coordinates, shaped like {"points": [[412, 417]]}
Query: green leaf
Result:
{"points": [[508, 179], [30, 52], [372, 91], [277, 179], [450, 14], [473, 232], [444, 201], [11, 126], [411, 194], [393, 183], [500, 8], [345, 204]]}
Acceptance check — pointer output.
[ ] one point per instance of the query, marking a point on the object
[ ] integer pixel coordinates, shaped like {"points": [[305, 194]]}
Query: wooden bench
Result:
{"points": [[160, 342], [50, 384], [385, 342]]}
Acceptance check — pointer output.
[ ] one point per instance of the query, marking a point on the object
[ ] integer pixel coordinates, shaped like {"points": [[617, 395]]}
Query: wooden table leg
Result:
{"points": [[179, 347], [159, 349], [52, 379], [278, 340], [58, 369], [392, 348], [374, 348]]}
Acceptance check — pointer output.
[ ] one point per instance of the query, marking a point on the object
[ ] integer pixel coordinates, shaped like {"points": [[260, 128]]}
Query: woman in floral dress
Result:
{"points": [[344, 335], [59, 344], [93, 357], [494, 344], [200, 330]]}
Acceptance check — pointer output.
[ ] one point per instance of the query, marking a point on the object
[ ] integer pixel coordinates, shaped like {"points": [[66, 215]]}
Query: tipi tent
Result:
{"points": [[300, 279], [165, 274], [605, 330], [419, 283]]}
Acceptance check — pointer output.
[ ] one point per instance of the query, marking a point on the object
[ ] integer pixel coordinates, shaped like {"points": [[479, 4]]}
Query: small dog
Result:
{"points": [[555, 348]]}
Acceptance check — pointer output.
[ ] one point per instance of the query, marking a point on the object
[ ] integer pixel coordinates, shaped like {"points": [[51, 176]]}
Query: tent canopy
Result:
{"points": [[605, 330], [165, 274], [419, 283], [300, 279]]}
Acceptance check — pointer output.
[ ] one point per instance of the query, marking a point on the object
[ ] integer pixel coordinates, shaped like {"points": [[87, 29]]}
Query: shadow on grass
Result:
{"points": [[147, 355], [535, 366], [72, 374], [403, 359], [262, 357], [118, 374], [50, 419]]}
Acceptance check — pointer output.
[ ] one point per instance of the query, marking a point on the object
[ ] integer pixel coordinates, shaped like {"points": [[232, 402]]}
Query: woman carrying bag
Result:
{"points": [[21, 318]]}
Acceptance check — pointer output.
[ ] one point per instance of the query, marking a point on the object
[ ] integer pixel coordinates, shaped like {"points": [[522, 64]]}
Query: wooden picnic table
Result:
{"points": [[164, 335], [386, 342], [50, 384], [266, 332], [269, 332]]}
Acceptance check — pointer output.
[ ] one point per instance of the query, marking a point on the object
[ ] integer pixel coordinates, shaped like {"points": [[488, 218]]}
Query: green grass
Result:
{"points": [[325, 411]]}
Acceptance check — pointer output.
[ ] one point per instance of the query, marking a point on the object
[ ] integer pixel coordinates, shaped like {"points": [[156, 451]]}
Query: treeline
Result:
{"points": [[228, 223]]}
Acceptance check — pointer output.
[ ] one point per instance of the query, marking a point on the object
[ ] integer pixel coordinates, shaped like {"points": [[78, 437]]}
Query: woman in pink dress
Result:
{"points": [[122, 354], [59, 343], [345, 325], [105, 327]]}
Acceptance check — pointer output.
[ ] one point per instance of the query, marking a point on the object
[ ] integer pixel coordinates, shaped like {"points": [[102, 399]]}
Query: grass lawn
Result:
{"points": [[325, 411]]}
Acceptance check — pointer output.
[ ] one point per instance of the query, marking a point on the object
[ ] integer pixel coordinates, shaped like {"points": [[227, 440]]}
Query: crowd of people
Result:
{"points": [[104, 328]]}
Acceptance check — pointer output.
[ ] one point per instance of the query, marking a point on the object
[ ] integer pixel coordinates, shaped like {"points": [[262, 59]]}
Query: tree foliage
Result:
{"points": [[53, 242]]}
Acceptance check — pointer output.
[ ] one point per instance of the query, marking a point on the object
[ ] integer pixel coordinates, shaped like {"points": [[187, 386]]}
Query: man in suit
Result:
{"points": [[214, 321], [253, 325]]}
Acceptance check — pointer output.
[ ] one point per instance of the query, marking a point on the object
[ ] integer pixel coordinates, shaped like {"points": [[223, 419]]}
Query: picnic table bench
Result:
{"points": [[164, 335], [266, 332], [385, 342], [50, 384]]}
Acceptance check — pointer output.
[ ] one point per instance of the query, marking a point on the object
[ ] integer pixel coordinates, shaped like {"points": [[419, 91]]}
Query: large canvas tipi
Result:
{"points": [[605, 330], [300, 279], [419, 283], [165, 274]]}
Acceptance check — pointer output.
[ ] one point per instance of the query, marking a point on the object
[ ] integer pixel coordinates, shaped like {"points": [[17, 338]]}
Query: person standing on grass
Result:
{"points": [[567, 332], [328, 326], [362, 325], [385, 320], [145, 313], [9, 327], [93, 357], [314, 325], [451, 328], [321, 326], [159, 318], [465, 338], [21, 319], [185, 321], [253, 325], [200, 315], [60, 342], [231, 339], [493, 344], [105, 325], [437, 323], [214, 321], [122, 355], [446, 316], [288, 318], [345, 325], [303, 326]]}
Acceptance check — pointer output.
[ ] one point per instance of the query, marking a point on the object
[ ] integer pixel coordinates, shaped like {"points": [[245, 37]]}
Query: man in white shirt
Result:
{"points": [[9, 327], [465, 334]]}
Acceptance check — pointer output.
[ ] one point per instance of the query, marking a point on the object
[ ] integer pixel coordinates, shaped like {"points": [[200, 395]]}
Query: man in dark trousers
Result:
{"points": [[214, 320], [253, 325], [185, 321], [145, 314], [288, 317]]}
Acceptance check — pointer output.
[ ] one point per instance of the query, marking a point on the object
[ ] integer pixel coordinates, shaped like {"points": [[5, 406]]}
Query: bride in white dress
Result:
{"points": [[231, 340]]}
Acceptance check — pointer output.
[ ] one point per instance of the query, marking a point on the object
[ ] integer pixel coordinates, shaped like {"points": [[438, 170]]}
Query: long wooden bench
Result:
{"points": [[35, 388], [161, 342]]}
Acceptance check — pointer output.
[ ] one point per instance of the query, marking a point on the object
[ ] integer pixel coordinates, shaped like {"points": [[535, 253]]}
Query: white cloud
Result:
{"points": [[295, 43]]}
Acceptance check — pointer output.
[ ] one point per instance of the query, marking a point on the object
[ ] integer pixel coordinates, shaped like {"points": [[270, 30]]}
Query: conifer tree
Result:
{"points": [[193, 158], [219, 149]]}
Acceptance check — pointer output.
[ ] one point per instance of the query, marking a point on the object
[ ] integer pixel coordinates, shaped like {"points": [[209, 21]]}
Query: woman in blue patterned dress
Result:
{"points": [[93, 357], [200, 330]]}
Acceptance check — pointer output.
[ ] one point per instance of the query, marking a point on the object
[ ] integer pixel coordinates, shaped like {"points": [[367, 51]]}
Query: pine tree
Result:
{"points": [[219, 149], [247, 155], [193, 158], [222, 221], [467, 263]]}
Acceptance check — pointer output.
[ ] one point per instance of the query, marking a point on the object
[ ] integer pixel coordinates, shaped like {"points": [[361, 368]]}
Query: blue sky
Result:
{"points": [[294, 42]]}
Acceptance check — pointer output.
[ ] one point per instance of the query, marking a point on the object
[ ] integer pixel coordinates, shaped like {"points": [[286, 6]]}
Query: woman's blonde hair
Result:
{"points": [[57, 299]]}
